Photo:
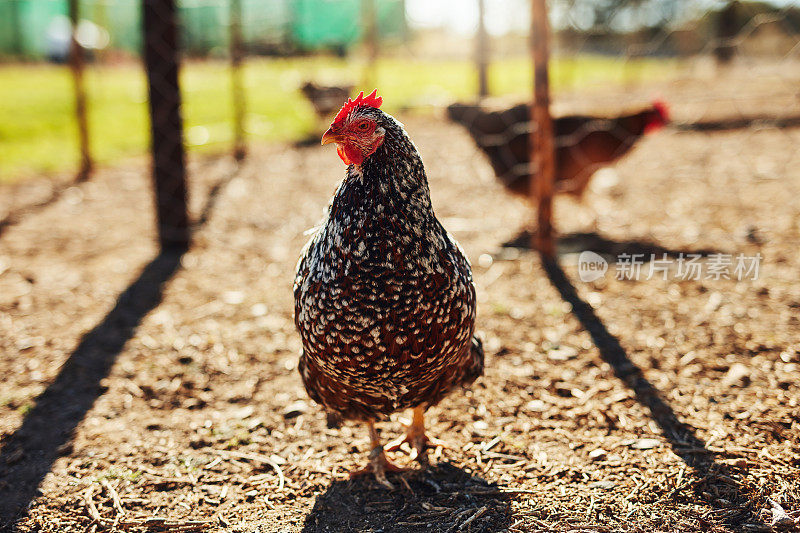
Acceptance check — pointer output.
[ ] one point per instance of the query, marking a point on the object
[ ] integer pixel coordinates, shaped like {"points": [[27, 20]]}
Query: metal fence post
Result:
{"points": [[169, 166], [542, 144], [76, 61]]}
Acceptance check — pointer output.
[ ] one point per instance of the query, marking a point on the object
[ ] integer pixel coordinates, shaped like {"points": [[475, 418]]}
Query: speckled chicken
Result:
{"points": [[384, 297]]}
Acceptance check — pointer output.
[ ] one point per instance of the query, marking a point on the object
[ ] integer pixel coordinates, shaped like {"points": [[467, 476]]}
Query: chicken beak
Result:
{"points": [[331, 137]]}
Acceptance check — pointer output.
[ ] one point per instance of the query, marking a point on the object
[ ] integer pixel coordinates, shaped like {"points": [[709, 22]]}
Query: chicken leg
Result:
{"points": [[417, 438], [379, 464]]}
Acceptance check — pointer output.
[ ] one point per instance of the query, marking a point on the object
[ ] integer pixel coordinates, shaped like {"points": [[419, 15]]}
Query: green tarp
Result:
{"points": [[291, 24]]}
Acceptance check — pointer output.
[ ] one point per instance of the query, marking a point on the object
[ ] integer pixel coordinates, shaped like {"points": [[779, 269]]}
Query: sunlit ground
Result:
{"points": [[37, 128]]}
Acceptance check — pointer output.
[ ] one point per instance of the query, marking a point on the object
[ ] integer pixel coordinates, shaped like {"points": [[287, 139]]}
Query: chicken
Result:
{"points": [[384, 296], [584, 144], [326, 100]]}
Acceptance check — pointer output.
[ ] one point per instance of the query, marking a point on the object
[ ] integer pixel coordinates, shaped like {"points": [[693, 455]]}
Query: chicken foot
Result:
{"points": [[379, 464], [417, 438]]}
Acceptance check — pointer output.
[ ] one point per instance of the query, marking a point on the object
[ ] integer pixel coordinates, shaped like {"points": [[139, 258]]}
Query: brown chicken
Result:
{"points": [[326, 100], [584, 144], [384, 297]]}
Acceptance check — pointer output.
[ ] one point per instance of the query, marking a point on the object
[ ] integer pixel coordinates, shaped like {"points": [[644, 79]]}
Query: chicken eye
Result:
{"points": [[363, 126]]}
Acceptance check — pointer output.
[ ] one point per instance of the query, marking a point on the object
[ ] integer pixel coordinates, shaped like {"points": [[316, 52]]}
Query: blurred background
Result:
{"points": [[423, 55]]}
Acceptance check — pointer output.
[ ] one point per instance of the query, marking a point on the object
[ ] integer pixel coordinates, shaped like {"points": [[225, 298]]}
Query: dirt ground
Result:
{"points": [[160, 393]]}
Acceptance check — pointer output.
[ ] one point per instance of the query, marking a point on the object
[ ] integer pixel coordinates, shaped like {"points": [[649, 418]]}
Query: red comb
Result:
{"points": [[662, 108], [373, 100], [658, 117]]}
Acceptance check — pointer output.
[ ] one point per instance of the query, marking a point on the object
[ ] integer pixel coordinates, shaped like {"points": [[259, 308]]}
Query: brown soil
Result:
{"points": [[144, 394]]}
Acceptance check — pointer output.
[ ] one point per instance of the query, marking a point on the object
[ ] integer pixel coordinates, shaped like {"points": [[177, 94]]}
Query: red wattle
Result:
{"points": [[349, 154]]}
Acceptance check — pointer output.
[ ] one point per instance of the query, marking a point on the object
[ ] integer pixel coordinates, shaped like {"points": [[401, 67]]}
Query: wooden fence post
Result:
{"points": [[169, 159], [237, 90], [370, 22], [482, 51], [76, 62], [542, 143], [726, 31]]}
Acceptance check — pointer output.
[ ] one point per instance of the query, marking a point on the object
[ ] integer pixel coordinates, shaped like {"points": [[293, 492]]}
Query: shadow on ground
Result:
{"points": [[443, 498], [16, 216], [28, 454], [572, 243], [724, 490]]}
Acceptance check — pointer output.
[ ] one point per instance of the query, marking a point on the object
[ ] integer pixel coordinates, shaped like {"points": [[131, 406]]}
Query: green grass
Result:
{"points": [[37, 127]]}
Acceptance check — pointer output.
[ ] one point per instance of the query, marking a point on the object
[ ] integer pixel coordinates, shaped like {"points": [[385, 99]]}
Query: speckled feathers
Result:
{"points": [[384, 297]]}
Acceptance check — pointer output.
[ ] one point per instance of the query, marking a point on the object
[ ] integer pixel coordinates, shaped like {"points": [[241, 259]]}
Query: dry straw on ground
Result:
{"points": [[606, 406]]}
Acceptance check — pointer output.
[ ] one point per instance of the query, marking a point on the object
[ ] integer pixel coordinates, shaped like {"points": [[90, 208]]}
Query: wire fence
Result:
{"points": [[277, 70], [163, 78]]}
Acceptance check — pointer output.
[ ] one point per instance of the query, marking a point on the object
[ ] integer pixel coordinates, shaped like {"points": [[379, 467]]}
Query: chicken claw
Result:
{"points": [[379, 464], [417, 438]]}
